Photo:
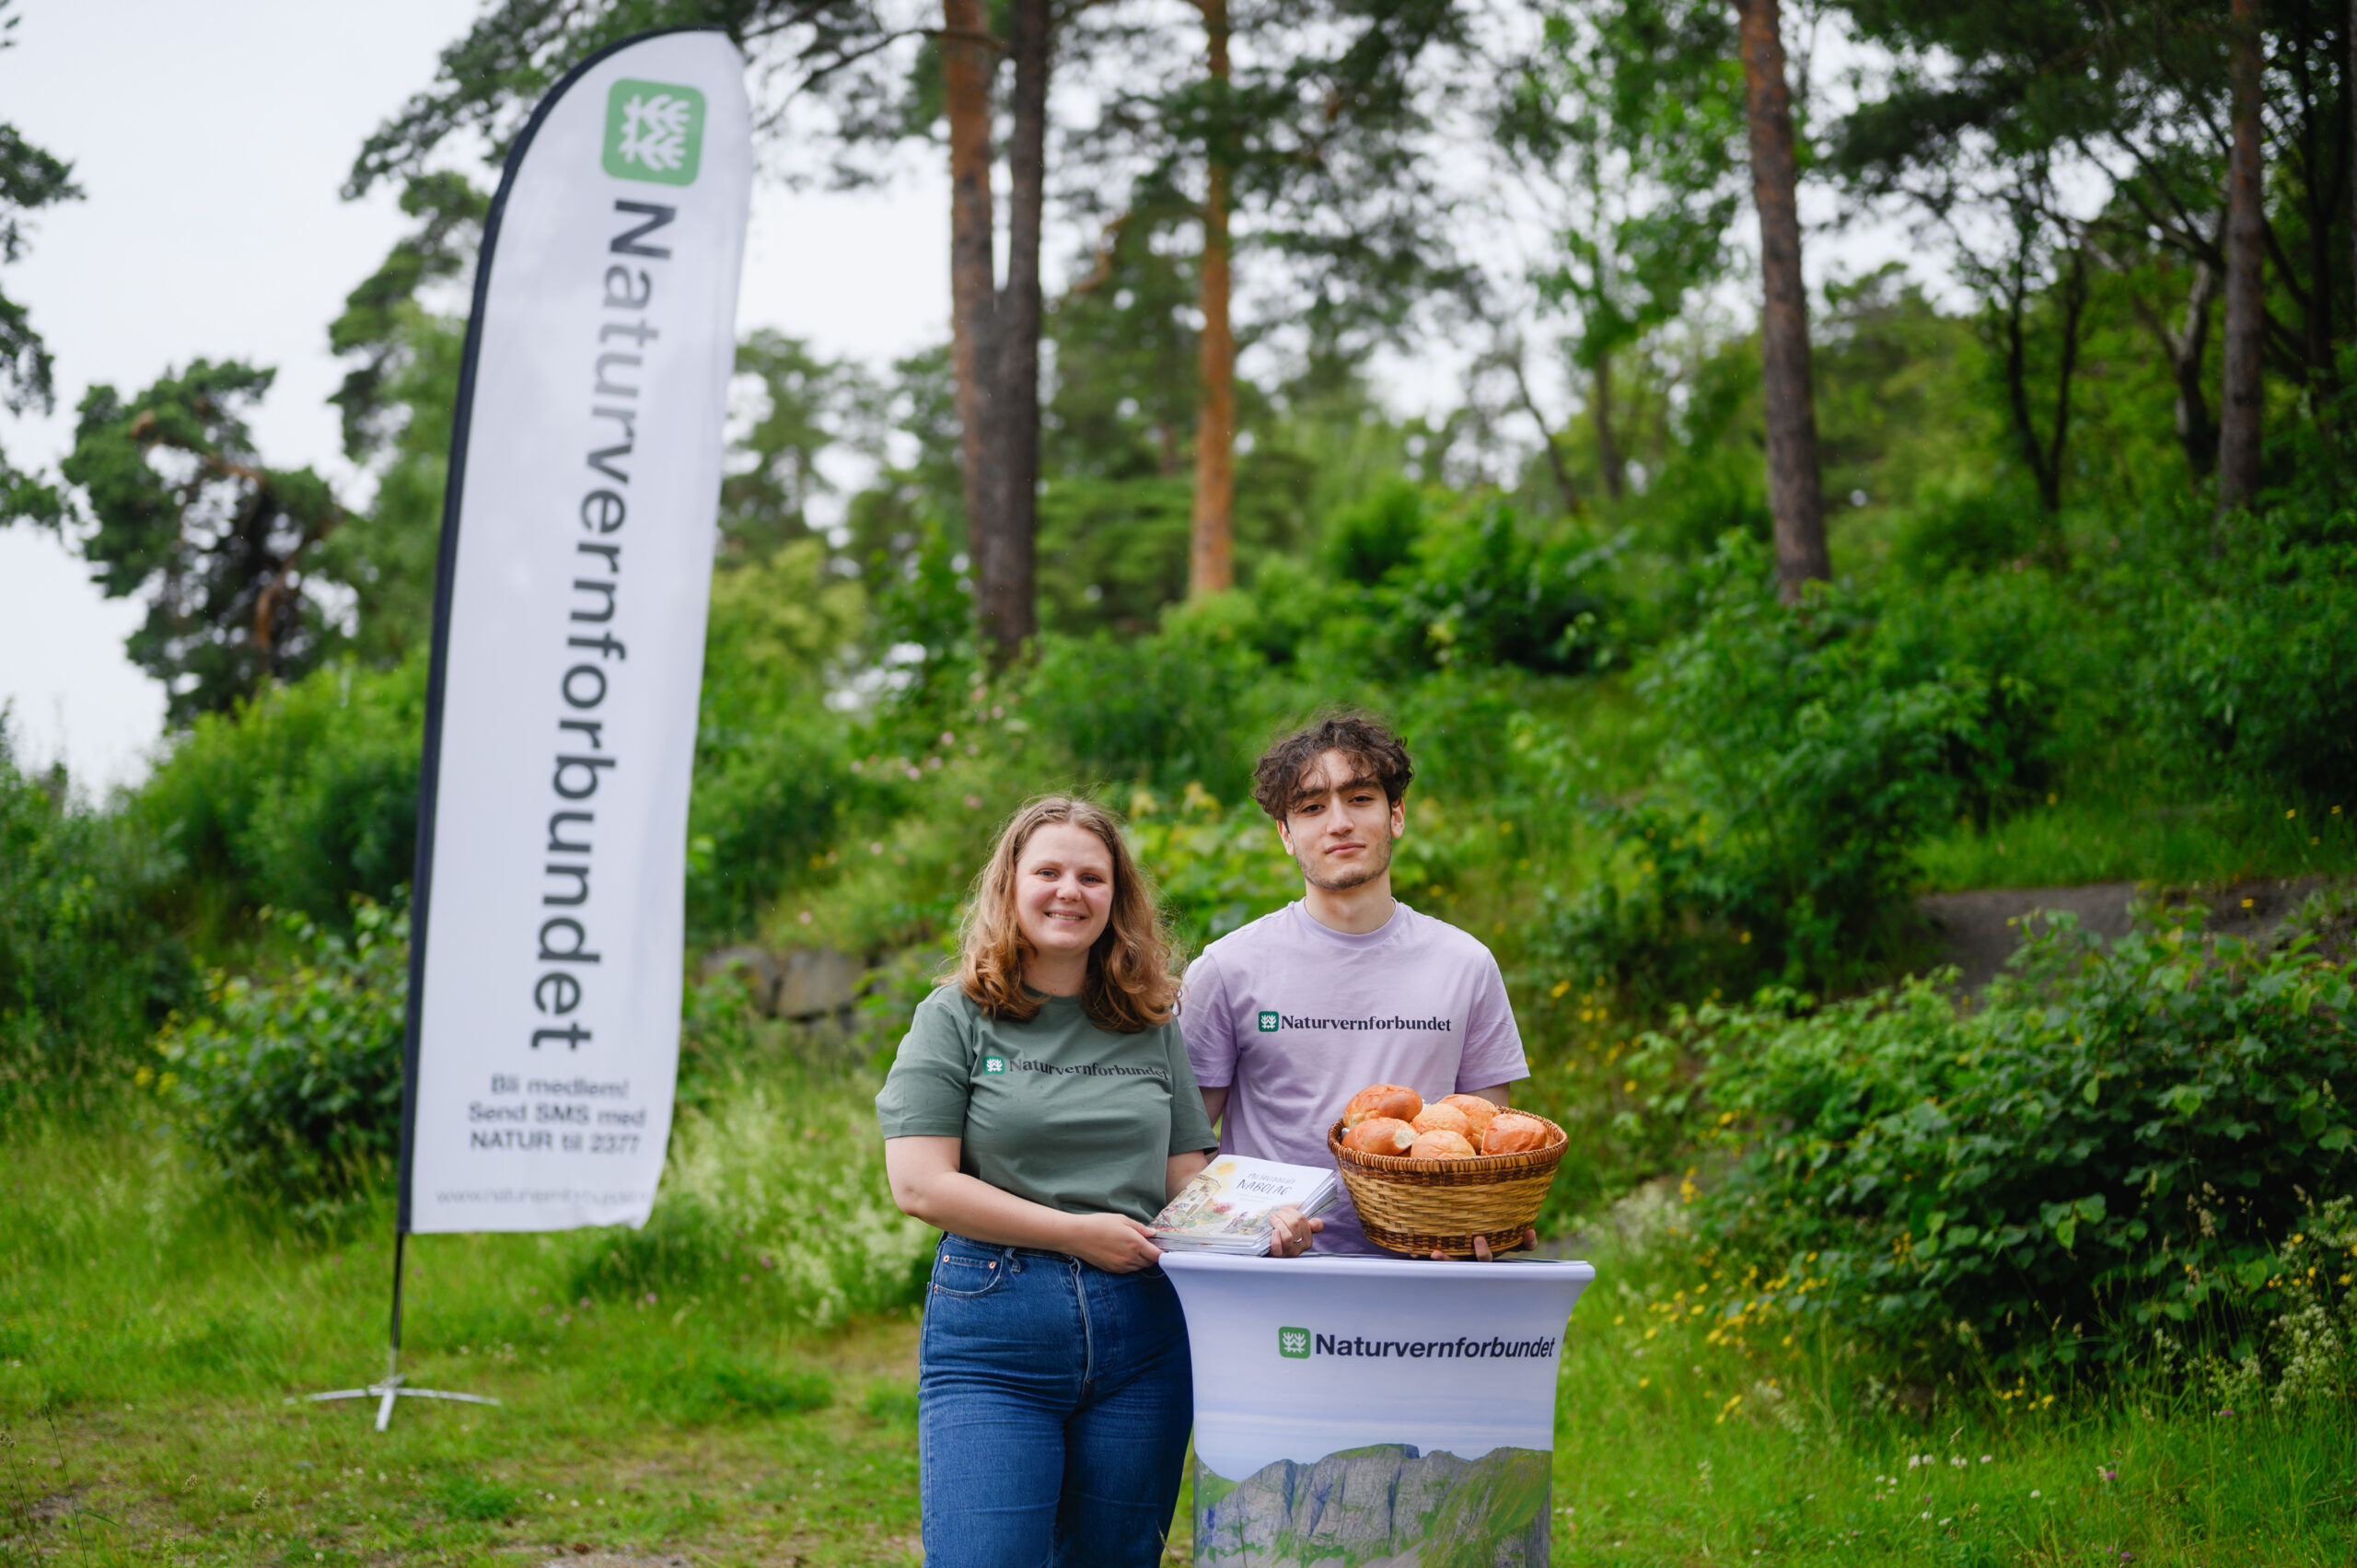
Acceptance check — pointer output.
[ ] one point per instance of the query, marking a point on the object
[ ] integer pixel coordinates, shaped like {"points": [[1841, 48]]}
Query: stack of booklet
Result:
{"points": [[1227, 1207]]}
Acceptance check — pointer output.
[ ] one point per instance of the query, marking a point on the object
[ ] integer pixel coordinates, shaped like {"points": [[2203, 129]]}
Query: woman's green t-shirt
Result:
{"points": [[1056, 1110]]}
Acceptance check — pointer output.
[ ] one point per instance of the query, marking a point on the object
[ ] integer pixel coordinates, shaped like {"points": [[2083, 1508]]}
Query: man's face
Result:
{"points": [[1341, 828]]}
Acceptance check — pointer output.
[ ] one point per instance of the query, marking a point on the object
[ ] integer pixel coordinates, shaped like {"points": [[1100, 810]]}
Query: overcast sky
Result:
{"points": [[210, 140]]}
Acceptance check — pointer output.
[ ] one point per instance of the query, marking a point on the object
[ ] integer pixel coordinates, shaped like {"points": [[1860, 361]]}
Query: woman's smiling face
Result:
{"points": [[1063, 889]]}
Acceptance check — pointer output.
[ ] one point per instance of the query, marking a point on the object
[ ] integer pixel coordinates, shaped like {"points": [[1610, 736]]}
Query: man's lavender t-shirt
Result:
{"points": [[1293, 1018]]}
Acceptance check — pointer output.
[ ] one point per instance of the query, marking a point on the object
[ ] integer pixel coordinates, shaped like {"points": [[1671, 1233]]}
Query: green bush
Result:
{"points": [[291, 1085], [768, 797], [1484, 587], [1974, 532], [1192, 704], [2250, 673], [303, 797], [1806, 757], [773, 766], [1365, 543], [87, 971], [2120, 1141], [1216, 867]]}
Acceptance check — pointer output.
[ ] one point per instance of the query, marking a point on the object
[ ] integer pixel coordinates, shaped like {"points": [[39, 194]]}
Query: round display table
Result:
{"points": [[1380, 1412]]}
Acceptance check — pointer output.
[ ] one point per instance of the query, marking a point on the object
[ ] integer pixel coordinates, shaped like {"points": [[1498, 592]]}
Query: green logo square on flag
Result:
{"points": [[1293, 1343], [654, 132], [1267, 1023], [994, 1065]]}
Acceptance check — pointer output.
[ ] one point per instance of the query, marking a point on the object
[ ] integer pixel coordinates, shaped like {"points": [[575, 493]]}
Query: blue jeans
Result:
{"points": [[1054, 1401]]}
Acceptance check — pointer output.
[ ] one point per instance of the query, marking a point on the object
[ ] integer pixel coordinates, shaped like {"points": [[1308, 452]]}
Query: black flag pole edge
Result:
{"points": [[392, 1388]]}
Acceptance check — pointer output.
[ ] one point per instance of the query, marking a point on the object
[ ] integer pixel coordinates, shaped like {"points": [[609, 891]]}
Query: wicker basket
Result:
{"points": [[1421, 1207]]}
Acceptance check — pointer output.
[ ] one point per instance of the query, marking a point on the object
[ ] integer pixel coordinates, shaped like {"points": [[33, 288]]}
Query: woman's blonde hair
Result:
{"points": [[1130, 986]]}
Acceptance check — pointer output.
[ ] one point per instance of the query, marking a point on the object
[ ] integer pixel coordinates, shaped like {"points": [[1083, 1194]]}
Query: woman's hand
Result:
{"points": [[1115, 1243], [1290, 1232]]}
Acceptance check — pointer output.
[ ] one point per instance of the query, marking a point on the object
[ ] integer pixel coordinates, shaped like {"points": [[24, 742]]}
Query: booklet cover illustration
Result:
{"points": [[1227, 1207]]}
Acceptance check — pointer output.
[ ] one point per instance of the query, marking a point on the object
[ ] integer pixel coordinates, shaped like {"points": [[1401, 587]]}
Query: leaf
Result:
{"points": [[2094, 1087]]}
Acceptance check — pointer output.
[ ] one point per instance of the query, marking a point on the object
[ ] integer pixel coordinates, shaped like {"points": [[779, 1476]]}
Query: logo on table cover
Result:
{"points": [[1293, 1343], [654, 132]]}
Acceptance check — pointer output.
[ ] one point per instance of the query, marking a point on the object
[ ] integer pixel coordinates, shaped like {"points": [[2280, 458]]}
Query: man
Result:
{"points": [[1288, 1017]]}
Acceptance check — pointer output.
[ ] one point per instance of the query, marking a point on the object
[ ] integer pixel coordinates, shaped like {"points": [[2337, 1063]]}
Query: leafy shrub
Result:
{"points": [[1804, 761], [1190, 705], [87, 971], [2250, 674], [303, 797], [290, 1085], [773, 766], [1486, 589], [768, 797], [1368, 542], [2122, 1140], [1976, 531], [1216, 868]]}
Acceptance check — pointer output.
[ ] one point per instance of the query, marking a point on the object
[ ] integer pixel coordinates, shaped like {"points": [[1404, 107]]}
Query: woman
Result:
{"points": [[1039, 1112]]}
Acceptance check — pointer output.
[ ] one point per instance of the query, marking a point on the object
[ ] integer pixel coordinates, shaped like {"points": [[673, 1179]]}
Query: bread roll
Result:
{"points": [[1380, 1135], [1440, 1143], [1478, 1112], [1511, 1132], [1442, 1117], [1383, 1099]]}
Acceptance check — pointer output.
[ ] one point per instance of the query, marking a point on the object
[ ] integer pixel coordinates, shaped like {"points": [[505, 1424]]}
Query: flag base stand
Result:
{"points": [[392, 1386]]}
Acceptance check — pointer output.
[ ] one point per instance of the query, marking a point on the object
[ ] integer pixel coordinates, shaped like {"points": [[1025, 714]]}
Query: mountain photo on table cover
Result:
{"points": [[1385, 1505]]}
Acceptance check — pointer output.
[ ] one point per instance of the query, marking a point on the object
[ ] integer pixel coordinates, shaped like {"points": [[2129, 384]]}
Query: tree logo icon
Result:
{"points": [[1267, 1023], [1293, 1343], [654, 132]]}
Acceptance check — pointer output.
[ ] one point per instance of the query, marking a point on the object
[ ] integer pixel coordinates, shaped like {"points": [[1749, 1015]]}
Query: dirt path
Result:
{"points": [[1979, 931]]}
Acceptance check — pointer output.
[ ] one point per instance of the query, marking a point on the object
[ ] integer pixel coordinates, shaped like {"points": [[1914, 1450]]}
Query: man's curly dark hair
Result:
{"points": [[1374, 752]]}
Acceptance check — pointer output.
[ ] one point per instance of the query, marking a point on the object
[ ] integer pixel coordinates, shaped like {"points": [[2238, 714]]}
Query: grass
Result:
{"points": [[2078, 839], [1675, 1446], [152, 1333]]}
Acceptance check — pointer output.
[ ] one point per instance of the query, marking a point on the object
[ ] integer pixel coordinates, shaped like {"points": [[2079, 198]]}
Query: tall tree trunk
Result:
{"points": [[2321, 195], [2239, 398], [968, 63], [2043, 456], [1009, 612], [2189, 352], [1795, 501], [1607, 446], [1210, 557], [1510, 352]]}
